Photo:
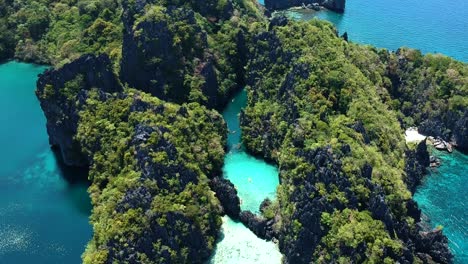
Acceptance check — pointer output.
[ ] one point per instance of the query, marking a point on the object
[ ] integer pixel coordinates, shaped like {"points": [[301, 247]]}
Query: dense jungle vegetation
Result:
{"points": [[328, 112]]}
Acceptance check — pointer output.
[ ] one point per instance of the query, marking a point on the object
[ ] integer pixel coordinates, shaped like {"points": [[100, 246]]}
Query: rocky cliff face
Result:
{"points": [[57, 90], [227, 195], [328, 185], [335, 5], [428, 90], [140, 151], [450, 126], [416, 165], [166, 52], [152, 61]]}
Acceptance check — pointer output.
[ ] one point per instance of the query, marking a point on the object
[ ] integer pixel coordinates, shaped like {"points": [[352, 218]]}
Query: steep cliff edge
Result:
{"points": [[430, 92], [346, 172], [150, 163], [56, 88], [334, 5], [178, 53]]}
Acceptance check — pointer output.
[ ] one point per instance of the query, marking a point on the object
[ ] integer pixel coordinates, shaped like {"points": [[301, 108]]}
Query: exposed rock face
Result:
{"points": [[460, 132], [309, 210], [153, 62], [193, 241], [62, 116], [168, 54], [432, 247], [335, 5], [416, 165], [261, 227], [452, 127], [440, 120], [227, 195]]}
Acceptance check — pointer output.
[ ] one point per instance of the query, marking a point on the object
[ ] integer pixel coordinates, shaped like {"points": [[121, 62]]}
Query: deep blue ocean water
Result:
{"points": [[433, 26], [43, 210]]}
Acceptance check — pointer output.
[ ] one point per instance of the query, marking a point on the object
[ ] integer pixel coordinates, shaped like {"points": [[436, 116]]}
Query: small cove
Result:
{"points": [[255, 180]]}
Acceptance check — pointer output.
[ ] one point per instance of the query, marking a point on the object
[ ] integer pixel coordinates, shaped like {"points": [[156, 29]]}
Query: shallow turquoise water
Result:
{"points": [[255, 180], [443, 198], [431, 26], [43, 216]]}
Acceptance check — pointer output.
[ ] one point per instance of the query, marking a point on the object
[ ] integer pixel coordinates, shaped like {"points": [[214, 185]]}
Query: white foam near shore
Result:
{"points": [[412, 135]]}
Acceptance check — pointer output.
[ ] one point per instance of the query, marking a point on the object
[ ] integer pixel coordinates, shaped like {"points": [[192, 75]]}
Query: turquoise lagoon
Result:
{"points": [[44, 207], [255, 180]]}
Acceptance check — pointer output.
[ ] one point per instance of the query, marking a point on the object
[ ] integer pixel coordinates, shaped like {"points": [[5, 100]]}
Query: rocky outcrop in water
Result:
{"points": [[226, 192], [432, 246], [335, 5], [56, 87], [261, 227]]}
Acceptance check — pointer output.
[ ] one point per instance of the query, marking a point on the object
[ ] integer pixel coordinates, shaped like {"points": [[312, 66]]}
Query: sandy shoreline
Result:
{"points": [[412, 135]]}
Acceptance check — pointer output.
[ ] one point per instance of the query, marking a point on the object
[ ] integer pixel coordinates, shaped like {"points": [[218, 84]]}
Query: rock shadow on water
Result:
{"points": [[77, 183]]}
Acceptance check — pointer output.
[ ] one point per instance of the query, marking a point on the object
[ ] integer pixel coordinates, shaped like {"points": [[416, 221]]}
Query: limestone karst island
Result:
{"points": [[233, 131]]}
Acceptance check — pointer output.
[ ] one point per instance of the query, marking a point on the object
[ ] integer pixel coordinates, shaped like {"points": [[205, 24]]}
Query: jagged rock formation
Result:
{"points": [[431, 95], [261, 227], [335, 5], [54, 89], [416, 165], [321, 135], [450, 126], [314, 108], [227, 195], [150, 162], [166, 52]]}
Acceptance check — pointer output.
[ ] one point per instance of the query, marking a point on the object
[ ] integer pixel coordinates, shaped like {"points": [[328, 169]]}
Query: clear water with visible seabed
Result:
{"points": [[443, 198], [44, 210], [255, 180]]}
